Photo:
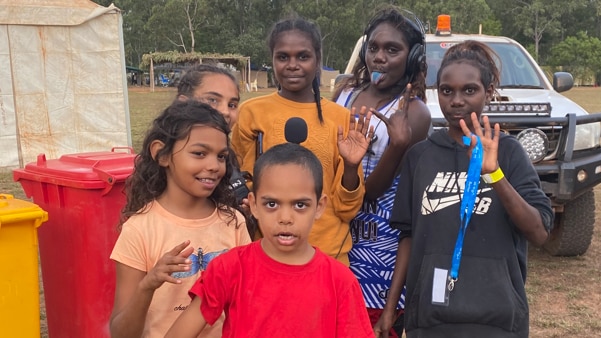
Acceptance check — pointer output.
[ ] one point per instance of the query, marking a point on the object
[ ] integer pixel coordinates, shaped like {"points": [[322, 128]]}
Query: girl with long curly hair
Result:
{"points": [[178, 217]]}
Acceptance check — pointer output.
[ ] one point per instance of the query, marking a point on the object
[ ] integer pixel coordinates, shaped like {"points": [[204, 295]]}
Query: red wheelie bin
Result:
{"points": [[83, 195]]}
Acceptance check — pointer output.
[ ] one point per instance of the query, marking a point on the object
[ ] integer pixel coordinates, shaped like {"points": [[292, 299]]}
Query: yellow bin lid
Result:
{"points": [[16, 210]]}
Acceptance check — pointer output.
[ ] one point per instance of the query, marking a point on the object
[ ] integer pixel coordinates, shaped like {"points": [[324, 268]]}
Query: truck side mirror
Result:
{"points": [[562, 81]]}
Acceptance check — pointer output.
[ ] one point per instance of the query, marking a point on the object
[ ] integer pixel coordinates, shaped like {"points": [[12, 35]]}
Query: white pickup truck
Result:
{"points": [[561, 138]]}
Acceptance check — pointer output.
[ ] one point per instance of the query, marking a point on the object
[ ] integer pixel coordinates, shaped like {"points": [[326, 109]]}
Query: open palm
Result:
{"points": [[354, 146], [488, 139]]}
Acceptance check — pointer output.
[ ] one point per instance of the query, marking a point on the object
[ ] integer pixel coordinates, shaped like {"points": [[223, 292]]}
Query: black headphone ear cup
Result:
{"points": [[415, 59]]}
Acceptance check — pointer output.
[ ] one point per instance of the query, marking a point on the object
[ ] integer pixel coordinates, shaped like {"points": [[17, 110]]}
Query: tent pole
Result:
{"points": [[151, 75]]}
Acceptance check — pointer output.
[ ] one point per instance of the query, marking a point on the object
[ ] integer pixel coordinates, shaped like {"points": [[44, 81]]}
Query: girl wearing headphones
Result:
{"points": [[390, 79]]}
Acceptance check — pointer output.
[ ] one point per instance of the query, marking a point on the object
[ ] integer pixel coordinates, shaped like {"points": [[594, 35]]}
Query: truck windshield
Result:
{"points": [[517, 71]]}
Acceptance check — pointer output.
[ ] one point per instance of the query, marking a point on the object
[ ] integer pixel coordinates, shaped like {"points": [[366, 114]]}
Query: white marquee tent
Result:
{"points": [[63, 86]]}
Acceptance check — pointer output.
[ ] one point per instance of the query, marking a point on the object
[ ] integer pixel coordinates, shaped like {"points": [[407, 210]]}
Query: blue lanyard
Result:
{"points": [[467, 205]]}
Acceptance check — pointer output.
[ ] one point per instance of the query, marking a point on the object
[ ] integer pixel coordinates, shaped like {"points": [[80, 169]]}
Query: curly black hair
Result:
{"points": [[149, 179]]}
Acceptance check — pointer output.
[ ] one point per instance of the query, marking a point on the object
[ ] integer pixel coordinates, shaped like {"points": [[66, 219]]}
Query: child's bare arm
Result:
{"points": [[134, 290], [189, 323], [131, 303]]}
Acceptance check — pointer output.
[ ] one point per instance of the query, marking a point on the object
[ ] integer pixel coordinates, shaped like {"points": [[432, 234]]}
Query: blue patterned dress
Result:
{"points": [[375, 243]]}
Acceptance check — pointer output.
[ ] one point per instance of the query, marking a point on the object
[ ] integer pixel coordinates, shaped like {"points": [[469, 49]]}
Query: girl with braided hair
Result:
{"points": [[336, 137]]}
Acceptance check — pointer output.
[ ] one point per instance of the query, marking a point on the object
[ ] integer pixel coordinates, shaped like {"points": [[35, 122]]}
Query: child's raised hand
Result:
{"points": [[397, 125], [488, 139], [175, 260], [244, 206], [353, 147]]}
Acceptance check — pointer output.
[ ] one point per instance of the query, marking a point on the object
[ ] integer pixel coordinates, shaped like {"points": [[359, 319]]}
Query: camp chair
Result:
{"points": [[163, 80]]}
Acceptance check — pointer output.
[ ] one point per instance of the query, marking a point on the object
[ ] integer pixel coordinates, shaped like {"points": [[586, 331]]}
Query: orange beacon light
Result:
{"points": [[443, 25]]}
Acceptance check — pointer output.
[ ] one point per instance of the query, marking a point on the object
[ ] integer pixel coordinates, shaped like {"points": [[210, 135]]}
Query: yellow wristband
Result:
{"points": [[493, 177]]}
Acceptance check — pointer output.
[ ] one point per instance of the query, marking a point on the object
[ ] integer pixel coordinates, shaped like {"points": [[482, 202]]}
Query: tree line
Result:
{"points": [[559, 34]]}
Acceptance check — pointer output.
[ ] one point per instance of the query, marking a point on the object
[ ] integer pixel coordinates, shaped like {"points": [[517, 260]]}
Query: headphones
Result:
{"points": [[416, 59]]}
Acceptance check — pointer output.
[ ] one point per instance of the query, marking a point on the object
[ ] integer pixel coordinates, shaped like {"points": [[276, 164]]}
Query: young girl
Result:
{"points": [[394, 53], [332, 134], [177, 218], [217, 87], [214, 86], [467, 214]]}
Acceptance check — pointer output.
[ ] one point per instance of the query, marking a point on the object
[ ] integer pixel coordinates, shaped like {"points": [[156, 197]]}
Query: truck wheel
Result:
{"points": [[573, 229]]}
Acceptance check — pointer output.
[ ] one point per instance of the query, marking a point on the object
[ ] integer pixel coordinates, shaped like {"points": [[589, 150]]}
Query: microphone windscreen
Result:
{"points": [[295, 130]]}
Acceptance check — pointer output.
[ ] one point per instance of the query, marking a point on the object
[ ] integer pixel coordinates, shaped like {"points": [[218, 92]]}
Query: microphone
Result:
{"points": [[295, 130]]}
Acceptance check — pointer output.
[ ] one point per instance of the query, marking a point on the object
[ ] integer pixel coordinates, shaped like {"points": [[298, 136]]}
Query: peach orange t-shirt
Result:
{"points": [[147, 236]]}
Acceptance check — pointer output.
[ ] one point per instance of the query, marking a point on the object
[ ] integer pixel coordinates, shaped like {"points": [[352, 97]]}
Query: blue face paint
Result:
{"points": [[376, 77]]}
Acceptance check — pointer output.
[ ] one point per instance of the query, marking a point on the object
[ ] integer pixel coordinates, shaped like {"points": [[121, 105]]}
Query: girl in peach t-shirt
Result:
{"points": [[177, 218]]}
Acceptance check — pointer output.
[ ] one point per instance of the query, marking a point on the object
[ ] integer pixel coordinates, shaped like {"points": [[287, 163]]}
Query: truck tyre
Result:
{"points": [[573, 229]]}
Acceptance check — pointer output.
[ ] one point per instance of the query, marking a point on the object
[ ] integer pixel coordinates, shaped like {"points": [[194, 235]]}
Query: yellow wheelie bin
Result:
{"points": [[19, 279]]}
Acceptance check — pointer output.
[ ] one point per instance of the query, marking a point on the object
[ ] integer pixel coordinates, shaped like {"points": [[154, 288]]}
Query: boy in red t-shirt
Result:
{"points": [[279, 286]]}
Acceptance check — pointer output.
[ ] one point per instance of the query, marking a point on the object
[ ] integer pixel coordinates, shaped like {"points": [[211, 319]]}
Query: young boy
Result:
{"points": [[279, 286]]}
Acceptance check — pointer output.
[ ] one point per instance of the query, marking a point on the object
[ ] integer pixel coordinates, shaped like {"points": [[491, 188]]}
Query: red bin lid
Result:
{"points": [[85, 170]]}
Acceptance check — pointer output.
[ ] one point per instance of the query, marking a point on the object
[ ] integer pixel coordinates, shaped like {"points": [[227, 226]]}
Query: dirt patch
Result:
{"points": [[565, 292]]}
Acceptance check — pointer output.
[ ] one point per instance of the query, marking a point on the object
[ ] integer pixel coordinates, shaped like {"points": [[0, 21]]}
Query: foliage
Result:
{"points": [[241, 26], [179, 20], [177, 57], [584, 63], [540, 18], [491, 26], [139, 38], [338, 22]]}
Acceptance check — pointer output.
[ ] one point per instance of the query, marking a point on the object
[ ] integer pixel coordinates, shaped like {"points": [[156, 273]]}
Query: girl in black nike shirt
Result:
{"points": [[466, 272]]}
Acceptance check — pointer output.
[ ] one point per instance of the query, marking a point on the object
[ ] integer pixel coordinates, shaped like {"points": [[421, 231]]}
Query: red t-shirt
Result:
{"points": [[264, 298]]}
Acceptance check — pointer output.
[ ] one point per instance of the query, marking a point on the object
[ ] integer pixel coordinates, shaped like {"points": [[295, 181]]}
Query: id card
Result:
{"points": [[440, 292]]}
